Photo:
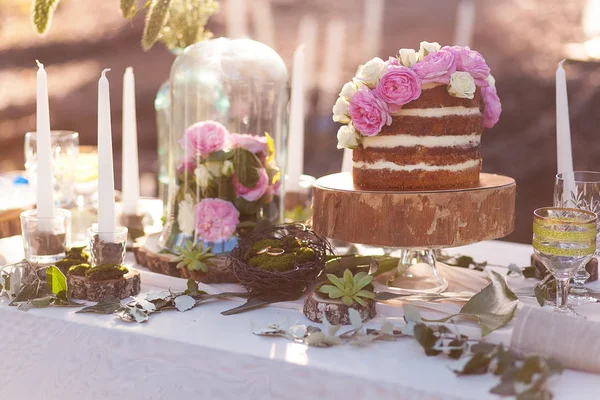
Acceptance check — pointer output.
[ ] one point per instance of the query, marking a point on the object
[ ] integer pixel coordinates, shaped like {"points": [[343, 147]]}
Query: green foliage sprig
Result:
{"points": [[42, 12], [194, 257], [350, 289]]}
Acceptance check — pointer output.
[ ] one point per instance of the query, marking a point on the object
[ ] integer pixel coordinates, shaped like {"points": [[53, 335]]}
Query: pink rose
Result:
{"points": [[436, 67], [255, 193], [393, 61], [493, 108], [253, 143], [398, 86], [216, 220], [472, 62], [369, 114], [204, 138], [187, 164]]}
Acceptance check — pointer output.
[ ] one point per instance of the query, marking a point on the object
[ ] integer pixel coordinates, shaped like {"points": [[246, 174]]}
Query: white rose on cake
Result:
{"points": [[408, 57], [348, 90], [371, 72], [202, 176], [340, 111], [461, 85], [427, 48], [185, 216], [347, 137]]}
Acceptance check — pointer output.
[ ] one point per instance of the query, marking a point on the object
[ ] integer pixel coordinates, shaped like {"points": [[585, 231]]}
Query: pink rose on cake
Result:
{"points": [[369, 113], [398, 86], [216, 220], [255, 193], [253, 143], [492, 106], [436, 67], [472, 62], [204, 138]]}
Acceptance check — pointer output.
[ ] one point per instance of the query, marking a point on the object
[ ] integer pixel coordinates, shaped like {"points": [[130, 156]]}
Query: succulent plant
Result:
{"points": [[194, 257], [351, 289]]}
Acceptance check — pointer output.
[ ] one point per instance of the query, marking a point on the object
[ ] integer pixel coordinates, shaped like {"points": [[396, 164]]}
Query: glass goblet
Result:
{"points": [[581, 190], [564, 239]]}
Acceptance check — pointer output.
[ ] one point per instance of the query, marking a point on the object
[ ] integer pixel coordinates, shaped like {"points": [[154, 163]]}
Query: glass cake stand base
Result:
{"points": [[416, 273]]}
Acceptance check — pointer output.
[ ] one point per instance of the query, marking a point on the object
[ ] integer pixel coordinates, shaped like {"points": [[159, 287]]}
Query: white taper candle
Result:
{"points": [[465, 21], [130, 165], [296, 135], [236, 19], [264, 24], [373, 13], [307, 35], [45, 193], [106, 179], [564, 156]]}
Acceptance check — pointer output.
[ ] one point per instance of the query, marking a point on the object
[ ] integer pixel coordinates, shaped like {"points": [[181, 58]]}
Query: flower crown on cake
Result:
{"points": [[380, 88]]}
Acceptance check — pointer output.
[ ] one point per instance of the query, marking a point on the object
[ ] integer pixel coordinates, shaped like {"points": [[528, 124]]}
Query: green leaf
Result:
{"points": [[411, 313], [504, 388], [43, 10], [184, 302], [107, 305], [56, 280], [347, 300], [221, 155], [540, 294], [247, 167], [348, 279], [128, 8], [41, 302], [478, 364], [365, 293], [363, 281], [336, 281], [358, 300], [426, 338], [155, 20], [27, 292]]}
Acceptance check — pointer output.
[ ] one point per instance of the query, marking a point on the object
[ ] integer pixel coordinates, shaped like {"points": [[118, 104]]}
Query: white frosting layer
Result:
{"points": [[437, 112], [388, 142], [430, 85], [420, 166]]}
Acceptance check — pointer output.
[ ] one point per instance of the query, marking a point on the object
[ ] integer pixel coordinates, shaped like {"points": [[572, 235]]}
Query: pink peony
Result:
{"points": [[204, 138], [398, 86], [472, 62], [255, 193], [216, 220], [369, 114], [393, 61], [436, 67], [253, 143], [493, 108], [187, 164]]}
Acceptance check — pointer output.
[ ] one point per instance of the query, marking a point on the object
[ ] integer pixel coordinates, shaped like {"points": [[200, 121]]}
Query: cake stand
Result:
{"points": [[415, 223]]}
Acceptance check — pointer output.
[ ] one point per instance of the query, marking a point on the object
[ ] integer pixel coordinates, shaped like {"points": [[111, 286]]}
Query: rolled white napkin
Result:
{"points": [[571, 340]]}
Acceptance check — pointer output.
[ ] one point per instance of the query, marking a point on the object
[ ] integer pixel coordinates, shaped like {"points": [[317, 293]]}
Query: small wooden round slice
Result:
{"points": [[85, 289], [147, 254], [315, 308]]}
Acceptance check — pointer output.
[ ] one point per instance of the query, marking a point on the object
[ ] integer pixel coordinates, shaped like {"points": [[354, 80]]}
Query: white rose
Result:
{"points": [[227, 169], [491, 80], [347, 137], [202, 176], [348, 90], [408, 57], [461, 85], [185, 216], [214, 167], [371, 72], [427, 48], [340, 111]]}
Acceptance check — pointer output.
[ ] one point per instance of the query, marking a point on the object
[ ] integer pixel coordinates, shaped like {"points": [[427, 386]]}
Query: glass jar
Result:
{"points": [[162, 105], [228, 134]]}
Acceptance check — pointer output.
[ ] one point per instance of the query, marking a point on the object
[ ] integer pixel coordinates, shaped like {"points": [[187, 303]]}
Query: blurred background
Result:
{"points": [[521, 40]]}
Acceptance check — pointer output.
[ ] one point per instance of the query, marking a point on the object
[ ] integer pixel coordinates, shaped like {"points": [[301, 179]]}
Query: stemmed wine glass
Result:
{"points": [[564, 239], [581, 190]]}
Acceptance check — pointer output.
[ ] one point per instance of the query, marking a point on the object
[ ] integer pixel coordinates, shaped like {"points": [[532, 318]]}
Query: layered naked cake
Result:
{"points": [[415, 121]]}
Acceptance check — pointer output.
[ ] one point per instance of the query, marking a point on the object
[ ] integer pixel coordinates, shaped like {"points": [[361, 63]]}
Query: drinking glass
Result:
{"points": [[564, 240], [581, 190], [65, 148]]}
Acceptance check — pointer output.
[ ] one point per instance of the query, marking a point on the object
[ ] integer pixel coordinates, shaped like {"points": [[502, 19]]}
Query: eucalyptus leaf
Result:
{"points": [[355, 318], [157, 295], [56, 280], [184, 302], [108, 305], [411, 313]]}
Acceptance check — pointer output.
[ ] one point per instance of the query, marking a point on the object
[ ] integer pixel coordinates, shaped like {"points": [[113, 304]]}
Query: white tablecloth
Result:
{"points": [[54, 353]]}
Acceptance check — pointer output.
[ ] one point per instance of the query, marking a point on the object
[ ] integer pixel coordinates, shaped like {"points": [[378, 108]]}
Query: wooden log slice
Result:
{"points": [[147, 254], [315, 308], [85, 289], [445, 218]]}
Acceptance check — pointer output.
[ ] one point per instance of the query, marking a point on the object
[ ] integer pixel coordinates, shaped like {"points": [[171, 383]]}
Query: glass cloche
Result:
{"points": [[227, 143]]}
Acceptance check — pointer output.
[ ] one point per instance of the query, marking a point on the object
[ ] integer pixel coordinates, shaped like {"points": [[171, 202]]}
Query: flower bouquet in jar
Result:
{"points": [[227, 186]]}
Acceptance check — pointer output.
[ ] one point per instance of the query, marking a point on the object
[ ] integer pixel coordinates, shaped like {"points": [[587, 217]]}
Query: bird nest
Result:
{"points": [[280, 261]]}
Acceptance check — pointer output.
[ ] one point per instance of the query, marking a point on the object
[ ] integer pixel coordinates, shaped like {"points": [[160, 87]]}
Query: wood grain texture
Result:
{"points": [[85, 289], [336, 312], [446, 218], [147, 255]]}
